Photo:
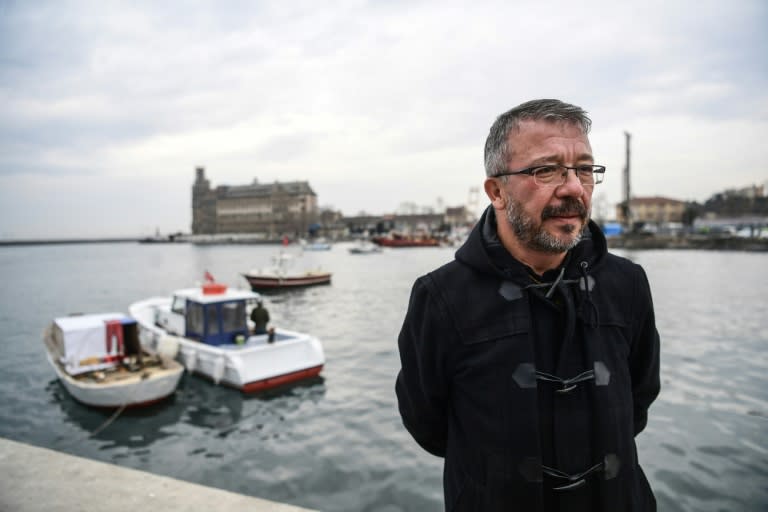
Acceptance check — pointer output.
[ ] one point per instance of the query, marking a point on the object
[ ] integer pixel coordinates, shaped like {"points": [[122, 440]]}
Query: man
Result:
{"points": [[530, 361], [260, 318]]}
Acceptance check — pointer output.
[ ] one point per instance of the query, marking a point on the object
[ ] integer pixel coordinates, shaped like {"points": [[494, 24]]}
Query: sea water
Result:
{"points": [[336, 443]]}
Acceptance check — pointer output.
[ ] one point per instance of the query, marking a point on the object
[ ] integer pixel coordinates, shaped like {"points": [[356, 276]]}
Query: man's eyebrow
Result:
{"points": [[548, 159]]}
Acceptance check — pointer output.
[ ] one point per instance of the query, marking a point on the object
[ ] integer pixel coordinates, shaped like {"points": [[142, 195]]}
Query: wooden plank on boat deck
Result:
{"points": [[37, 479]]}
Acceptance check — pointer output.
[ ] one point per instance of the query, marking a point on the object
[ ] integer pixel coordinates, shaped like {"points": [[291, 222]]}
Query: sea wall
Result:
{"points": [[40, 480]]}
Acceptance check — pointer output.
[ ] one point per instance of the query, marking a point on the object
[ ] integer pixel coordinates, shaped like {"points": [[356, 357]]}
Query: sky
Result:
{"points": [[107, 108]]}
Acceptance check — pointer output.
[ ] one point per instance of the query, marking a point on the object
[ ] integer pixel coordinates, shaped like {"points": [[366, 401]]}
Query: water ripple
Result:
{"points": [[337, 443]]}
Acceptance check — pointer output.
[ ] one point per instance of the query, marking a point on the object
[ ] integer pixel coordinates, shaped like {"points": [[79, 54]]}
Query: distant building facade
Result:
{"points": [[273, 210], [653, 210], [750, 192], [409, 224]]}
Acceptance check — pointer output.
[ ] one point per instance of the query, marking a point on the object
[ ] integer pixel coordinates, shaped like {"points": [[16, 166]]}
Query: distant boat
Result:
{"points": [[279, 276], [365, 247], [210, 325], [100, 361], [159, 239], [320, 244], [398, 240]]}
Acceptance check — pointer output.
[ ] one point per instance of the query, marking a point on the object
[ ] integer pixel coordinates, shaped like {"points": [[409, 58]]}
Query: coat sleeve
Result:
{"points": [[421, 384], [644, 354]]}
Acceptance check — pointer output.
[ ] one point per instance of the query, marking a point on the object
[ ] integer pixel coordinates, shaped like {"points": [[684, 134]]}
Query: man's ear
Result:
{"points": [[495, 193]]}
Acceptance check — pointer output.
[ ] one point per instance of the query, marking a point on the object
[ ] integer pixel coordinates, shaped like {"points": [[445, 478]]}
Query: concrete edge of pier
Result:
{"points": [[37, 479]]}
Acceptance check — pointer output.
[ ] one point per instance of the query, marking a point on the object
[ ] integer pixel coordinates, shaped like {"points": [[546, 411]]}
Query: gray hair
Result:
{"points": [[497, 147]]}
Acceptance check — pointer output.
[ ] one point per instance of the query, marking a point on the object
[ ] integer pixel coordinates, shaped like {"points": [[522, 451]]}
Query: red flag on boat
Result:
{"points": [[285, 240], [209, 277]]}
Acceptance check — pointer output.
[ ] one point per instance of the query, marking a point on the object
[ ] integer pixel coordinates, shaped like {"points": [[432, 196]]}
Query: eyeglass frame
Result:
{"points": [[598, 170]]}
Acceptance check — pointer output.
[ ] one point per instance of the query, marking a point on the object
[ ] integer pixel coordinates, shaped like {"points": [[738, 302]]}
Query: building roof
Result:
{"points": [[264, 189], [654, 200]]}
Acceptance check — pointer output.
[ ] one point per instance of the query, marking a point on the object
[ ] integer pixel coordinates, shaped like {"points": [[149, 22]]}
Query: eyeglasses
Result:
{"points": [[556, 175]]}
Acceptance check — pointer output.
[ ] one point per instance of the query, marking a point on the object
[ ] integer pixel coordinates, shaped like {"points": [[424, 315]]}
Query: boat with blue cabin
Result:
{"points": [[211, 327]]}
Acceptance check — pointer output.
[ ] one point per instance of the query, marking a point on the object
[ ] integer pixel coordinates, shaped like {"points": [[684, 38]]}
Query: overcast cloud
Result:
{"points": [[107, 107]]}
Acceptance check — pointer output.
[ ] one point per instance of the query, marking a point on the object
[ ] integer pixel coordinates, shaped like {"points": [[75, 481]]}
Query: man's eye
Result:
{"points": [[544, 172]]}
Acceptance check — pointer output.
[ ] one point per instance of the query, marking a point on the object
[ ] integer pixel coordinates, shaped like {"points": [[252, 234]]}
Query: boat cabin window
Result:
{"points": [[233, 316], [216, 323], [195, 318], [179, 305], [213, 322]]}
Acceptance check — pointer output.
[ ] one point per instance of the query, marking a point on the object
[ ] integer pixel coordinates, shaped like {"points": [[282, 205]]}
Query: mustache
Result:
{"points": [[570, 206]]}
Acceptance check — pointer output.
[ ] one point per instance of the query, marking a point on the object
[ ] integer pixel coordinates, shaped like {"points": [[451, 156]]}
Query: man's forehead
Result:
{"points": [[546, 140], [528, 124]]}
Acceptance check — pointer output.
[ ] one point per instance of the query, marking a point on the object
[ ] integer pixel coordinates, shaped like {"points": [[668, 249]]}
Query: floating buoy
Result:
{"points": [[190, 359], [168, 346]]}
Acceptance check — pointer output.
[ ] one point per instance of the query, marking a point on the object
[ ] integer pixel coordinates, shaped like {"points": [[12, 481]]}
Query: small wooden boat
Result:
{"points": [[211, 327], [280, 276], [100, 361]]}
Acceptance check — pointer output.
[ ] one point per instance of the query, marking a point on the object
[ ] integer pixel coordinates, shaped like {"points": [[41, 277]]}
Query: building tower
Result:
{"points": [[203, 204]]}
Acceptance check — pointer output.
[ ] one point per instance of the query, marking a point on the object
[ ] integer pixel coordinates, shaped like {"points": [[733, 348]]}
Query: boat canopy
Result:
{"points": [[198, 295], [218, 318], [94, 342]]}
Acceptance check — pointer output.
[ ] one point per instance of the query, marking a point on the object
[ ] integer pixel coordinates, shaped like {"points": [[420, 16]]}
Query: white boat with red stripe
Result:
{"points": [[211, 327], [281, 277]]}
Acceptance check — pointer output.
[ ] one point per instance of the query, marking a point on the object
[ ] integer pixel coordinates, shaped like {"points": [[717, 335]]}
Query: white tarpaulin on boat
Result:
{"points": [[90, 342]]}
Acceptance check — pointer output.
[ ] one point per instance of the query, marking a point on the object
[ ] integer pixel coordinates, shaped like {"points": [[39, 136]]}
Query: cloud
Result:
{"points": [[394, 98]]}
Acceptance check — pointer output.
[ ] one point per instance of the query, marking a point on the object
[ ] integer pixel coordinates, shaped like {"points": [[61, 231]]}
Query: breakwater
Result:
{"points": [[698, 242]]}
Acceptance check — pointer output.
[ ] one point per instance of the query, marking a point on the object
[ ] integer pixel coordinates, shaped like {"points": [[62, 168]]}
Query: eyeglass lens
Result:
{"points": [[558, 174]]}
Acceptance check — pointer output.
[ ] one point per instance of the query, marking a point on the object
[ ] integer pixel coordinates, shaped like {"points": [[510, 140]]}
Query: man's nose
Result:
{"points": [[572, 185]]}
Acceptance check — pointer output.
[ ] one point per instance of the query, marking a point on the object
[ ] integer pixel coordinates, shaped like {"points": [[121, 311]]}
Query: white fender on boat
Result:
{"points": [[190, 359], [218, 369], [168, 346], [147, 338]]}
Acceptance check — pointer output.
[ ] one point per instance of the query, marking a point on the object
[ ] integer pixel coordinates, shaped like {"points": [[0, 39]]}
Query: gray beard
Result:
{"points": [[534, 236]]}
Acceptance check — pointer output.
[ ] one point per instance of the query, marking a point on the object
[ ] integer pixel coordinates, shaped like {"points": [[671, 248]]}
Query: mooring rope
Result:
{"points": [[119, 410]]}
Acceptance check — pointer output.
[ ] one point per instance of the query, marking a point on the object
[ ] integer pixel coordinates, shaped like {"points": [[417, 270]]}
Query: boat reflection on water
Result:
{"points": [[133, 428], [216, 409], [220, 408]]}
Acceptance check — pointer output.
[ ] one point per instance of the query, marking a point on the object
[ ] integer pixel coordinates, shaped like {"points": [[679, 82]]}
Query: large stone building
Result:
{"points": [[272, 210]]}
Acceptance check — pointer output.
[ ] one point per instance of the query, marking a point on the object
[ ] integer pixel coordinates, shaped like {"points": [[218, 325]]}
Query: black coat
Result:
{"points": [[529, 383]]}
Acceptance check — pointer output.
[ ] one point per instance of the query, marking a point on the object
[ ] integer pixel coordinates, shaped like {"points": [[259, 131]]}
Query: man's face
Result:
{"points": [[548, 218]]}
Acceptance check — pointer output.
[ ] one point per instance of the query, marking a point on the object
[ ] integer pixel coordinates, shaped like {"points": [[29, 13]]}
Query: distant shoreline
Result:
{"points": [[638, 242], [68, 241]]}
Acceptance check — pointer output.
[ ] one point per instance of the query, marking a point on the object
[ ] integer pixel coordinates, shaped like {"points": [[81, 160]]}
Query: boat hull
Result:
{"points": [[140, 389], [270, 382], [403, 242], [265, 282], [365, 249]]}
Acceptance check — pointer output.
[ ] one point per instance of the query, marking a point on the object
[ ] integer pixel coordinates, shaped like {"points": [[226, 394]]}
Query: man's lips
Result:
{"points": [[565, 216], [567, 211]]}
